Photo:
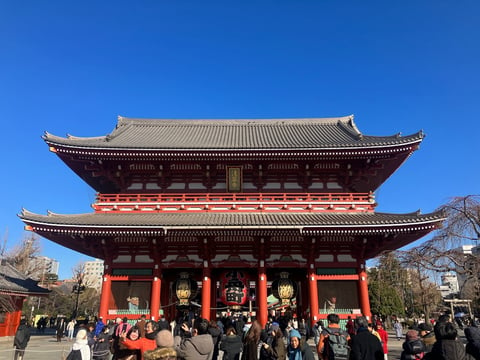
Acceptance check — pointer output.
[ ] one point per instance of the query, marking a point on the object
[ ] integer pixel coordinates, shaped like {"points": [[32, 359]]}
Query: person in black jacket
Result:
{"points": [[22, 337], [472, 333], [447, 345], [216, 333], [231, 345], [365, 345]]}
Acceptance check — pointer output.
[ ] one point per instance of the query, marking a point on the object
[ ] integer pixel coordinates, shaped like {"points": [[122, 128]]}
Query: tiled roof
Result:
{"points": [[206, 220], [245, 134], [13, 281]]}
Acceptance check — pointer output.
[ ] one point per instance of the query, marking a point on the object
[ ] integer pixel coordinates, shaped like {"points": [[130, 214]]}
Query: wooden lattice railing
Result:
{"points": [[235, 202]]}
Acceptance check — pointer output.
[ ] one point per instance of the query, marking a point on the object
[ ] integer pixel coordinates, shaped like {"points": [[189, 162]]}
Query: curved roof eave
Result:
{"points": [[226, 135], [375, 220]]}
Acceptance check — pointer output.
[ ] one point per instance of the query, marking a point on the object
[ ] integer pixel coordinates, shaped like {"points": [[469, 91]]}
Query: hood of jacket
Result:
{"points": [[202, 343]]}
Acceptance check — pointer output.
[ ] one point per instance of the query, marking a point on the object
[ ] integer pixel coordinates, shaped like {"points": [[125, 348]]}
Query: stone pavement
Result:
{"points": [[46, 347], [40, 347]]}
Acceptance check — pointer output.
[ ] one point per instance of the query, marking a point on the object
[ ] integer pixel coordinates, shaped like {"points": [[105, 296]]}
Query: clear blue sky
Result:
{"points": [[73, 66]]}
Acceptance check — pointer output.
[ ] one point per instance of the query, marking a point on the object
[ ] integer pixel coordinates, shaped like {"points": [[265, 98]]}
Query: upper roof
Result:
{"points": [[221, 134], [14, 282]]}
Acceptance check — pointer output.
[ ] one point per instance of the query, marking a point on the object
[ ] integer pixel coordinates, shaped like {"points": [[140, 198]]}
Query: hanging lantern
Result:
{"points": [[185, 289], [234, 286], [284, 289]]}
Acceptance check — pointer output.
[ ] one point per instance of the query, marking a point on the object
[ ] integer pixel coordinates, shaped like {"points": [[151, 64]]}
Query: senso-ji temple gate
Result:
{"points": [[227, 215]]}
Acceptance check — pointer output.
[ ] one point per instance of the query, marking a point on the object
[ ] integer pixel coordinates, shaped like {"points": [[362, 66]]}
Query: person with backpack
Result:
{"points": [[413, 347], [333, 342]]}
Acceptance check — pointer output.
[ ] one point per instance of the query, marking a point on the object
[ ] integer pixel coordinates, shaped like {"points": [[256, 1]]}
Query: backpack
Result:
{"points": [[74, 355], [337, 344], [414, 349]]}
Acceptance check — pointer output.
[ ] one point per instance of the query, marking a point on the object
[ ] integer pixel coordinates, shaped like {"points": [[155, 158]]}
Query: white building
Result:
{"points": [[462, 277], [449, 284], [93, 272], [40, 266]]}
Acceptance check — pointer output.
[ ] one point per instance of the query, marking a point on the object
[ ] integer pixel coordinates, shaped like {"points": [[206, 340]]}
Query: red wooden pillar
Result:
{"points": [[261, 296], [155, 297], [313, 295], [206, 293], [213, 297], [106, 294], [363, 293]]}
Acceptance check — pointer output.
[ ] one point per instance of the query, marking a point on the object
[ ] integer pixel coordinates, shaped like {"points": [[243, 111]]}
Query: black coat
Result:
{"points": [[366, 346], [22, 336], [448, 349], [231, 346], [473, 345]]}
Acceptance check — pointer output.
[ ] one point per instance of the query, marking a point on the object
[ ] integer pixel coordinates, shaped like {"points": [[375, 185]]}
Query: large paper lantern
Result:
{"points": [[284, 289], [234, 286], [185, 289]]}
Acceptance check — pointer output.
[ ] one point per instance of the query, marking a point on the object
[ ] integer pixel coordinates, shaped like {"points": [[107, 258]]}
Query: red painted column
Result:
{"points": [[105, 297], [155, 297], [363, 293], [206, 293], [261, 295], [313, 295], [213, 297]]}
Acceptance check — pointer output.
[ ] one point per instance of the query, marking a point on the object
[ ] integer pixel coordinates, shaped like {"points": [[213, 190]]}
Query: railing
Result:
{"points": [[235, 202]]}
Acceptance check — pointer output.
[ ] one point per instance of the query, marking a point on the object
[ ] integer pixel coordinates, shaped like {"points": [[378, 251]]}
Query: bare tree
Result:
{"points": [[441, 253], [21, 255], [463, 219]]}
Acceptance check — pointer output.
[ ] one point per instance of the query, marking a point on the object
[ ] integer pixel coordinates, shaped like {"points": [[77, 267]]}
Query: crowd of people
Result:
{"points": [[236, 338]]}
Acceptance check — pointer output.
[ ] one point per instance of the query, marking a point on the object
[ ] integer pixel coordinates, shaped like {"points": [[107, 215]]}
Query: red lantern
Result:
{"points": [[234, 285]]}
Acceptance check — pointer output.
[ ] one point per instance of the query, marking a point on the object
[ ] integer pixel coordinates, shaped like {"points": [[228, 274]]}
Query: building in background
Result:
{"points": [[41, 266], [197, 215], [93, 273], [449, 286], [15, 287]]}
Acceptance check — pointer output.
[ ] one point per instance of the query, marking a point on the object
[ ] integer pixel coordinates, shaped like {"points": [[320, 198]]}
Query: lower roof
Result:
{"points": [[212, 220]]}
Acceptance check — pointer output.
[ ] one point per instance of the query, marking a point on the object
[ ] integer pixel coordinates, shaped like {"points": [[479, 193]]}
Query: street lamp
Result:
{"points": [[77, 289]]}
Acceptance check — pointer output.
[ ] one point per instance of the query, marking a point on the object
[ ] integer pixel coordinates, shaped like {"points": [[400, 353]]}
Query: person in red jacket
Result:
{"points": [[142, 344], [383, 338]]}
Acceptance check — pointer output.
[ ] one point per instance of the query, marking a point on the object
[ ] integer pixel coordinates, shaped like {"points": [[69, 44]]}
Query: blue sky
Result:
{"points": [[72, 67]]}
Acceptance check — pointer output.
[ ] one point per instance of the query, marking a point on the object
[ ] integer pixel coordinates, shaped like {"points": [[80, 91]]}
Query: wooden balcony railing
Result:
{"points": [[362, 202]]}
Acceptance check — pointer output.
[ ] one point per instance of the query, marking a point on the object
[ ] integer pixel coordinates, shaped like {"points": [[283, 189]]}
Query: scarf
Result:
{"points": [[294, 354], [151, 336]]}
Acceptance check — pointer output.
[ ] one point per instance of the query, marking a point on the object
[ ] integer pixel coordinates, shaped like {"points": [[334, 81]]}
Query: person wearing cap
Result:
{"points": [[165, 347], [273, 346], [413, 348], [427, 336], [81, 344], [297, 348]]}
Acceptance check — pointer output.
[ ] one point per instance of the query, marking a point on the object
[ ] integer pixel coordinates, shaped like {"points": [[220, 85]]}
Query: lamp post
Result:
{"points": [[77, 289]]}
